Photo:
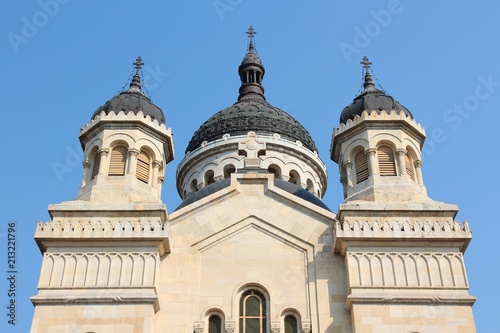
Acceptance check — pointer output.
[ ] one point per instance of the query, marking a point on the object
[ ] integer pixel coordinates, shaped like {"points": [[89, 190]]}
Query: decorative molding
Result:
{"points": [[198, 326], [98, 270], [383, 115], [393, 228], [384, 299], [129, 116], [101, 298], [112, 227], [275, 327], [406, 270], [306, 327], [229, 327]]}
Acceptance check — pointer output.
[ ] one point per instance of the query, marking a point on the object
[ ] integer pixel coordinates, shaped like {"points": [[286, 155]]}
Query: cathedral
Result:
{"points": [[252, 248]]}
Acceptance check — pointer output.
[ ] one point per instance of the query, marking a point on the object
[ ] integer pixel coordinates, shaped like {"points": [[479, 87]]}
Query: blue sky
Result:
{"points": [[62, 59]]}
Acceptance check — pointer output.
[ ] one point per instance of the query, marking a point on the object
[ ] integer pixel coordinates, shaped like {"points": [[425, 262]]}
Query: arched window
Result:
{"points": [[386, 163], [252, 313], [209, 177], [409, 167], [193, 186], [273, 168], [214, 324], [291, 324], [118, 161], [361, 165], [96, 164], [310, 186], [142, 171], [228, 170], [294, 177]]}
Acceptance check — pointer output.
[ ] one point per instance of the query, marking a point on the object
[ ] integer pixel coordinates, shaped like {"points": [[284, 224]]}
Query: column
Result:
{"points": [[132, 162], [418, 171], [348, 173], [104, 163], [372, 161], [401, 161], [86, 171]]}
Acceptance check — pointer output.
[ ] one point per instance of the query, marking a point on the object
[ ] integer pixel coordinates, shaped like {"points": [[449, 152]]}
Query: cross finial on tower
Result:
{"points": [[366, 63], [250, 33], [138, 64]]}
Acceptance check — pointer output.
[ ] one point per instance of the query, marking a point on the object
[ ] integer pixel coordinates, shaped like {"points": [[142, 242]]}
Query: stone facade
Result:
{"points": [[252, 248]]}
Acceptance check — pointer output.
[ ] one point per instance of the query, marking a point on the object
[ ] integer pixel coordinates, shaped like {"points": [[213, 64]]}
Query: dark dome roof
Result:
{"points": [[371, 99], [286, 186], [132, 100], [251, 115], [251, 112]]}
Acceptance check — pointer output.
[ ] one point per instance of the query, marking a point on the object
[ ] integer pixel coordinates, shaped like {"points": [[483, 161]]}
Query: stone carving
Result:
{"points": [[306, 327], [198, 327], [96, 270], [275, 327], [411, 269], [230, 327]]}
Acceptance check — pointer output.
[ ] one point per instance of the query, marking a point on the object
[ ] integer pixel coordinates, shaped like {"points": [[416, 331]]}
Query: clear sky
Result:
{"points": [[63, 59]]}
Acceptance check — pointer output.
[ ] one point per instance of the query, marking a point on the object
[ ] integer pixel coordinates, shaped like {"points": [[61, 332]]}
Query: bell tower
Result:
{"points": [[403, 251], [101, 251]]}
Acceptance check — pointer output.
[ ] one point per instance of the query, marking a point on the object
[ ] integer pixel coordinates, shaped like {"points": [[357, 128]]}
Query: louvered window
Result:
{"points": [[409, 167], [97, 164], [118, 161], [386, 163], [142, 172], [361, 164]]}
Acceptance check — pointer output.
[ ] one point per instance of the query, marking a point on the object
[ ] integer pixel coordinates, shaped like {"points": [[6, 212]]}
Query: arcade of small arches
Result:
{"points": [[120, 160], [384, 160], [253, 316]]}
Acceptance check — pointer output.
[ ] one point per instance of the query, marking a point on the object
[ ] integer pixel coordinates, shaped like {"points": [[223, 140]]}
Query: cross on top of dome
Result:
{"points": [[138, 64]]}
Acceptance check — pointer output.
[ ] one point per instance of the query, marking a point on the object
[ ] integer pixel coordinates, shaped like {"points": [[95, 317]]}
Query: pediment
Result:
{"points": [[256, 198]]}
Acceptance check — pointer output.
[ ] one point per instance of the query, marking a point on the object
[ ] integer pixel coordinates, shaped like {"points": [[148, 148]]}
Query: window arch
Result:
{"points": [[386, 162], [142, 170], [228, 170], [209, 177], [361, 165], [215, 324], [294, 177], [253, 312], [310, 186], [273, 168], [291, 325], [193, 186], [118, 161]]}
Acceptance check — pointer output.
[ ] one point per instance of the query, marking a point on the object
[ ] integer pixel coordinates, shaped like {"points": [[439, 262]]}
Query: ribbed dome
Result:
{"points": [[251, 115], [132, 100], [251, 112], [371, 99]]}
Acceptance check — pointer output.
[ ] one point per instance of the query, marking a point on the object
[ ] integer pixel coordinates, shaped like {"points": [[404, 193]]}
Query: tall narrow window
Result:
{"points": [[386, 163], [214, 324], [361, 165], [273, 168], [409, 167], [228, 170], [294, 177], [252, 312], [209, 177], [97, 164], [142, 172], [118, 161], [290, 324]]}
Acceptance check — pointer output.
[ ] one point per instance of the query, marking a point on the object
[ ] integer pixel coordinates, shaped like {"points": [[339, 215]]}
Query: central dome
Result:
{"points": [[251, 115], [251, 112]]}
